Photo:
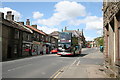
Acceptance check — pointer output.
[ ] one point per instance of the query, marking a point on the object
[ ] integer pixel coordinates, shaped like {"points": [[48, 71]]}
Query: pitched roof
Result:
{"points": [[36, 29], [55, 33], [16, 25], [74, 32], [23, 26]]}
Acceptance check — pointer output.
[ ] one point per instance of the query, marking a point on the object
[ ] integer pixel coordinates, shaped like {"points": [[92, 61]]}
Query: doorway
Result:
{"points": [[9, 55]]}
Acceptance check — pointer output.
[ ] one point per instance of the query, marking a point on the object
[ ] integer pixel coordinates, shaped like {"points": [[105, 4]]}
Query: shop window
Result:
{"points": [[26, 47]]}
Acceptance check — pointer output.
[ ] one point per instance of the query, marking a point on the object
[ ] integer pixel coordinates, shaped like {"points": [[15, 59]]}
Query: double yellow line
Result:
{"points": [[57, 73]]}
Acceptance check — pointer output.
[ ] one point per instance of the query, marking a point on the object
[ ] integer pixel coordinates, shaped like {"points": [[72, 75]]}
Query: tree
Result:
{"points": [[99, 41]]}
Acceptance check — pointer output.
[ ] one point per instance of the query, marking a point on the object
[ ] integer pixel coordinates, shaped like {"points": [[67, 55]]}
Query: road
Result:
{"points": [[41, 66]]}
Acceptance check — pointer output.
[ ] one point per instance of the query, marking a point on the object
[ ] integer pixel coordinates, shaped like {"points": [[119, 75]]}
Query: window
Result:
{"points": [[37, 36], [28, 37], [16, 34], [15, 49], [34, 35]]}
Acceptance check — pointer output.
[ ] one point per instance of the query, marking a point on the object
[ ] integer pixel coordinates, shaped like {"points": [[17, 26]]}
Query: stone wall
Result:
{"points": [[111, 22]]}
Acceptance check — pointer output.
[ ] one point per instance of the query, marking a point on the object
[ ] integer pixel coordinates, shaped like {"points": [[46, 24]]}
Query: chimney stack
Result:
{"points": [[35, 26], [9, 16], [65, 28], [1, 15], [22, 23], [27, 22]]}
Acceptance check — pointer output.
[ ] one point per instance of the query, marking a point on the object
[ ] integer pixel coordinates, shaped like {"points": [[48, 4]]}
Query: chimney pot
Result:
{"points": [[12, 17], [9, 12], [27, 22], [1, 15], [9, 16]]}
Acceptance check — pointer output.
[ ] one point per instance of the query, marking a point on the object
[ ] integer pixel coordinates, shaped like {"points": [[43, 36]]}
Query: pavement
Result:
{"points": [[89, 66]]}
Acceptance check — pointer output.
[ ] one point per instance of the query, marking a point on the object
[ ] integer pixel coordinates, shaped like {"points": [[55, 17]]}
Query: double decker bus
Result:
{"points": [[68, 44]]}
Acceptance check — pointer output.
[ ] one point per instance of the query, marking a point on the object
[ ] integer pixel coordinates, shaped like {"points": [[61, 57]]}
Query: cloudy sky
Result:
{"points": [[54, 16]]}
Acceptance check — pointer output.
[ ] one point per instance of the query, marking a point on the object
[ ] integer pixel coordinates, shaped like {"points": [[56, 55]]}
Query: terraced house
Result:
{"points": [[12, 37], [111, 11], [20, 40]]}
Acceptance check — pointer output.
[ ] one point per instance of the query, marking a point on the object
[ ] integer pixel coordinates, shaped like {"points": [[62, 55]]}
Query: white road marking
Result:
{"points": [[78, 63], [73, 63]]}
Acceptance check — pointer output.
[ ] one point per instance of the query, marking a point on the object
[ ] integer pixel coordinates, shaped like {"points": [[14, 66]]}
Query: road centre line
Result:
{"points": [[73, 63], [78, 63]]}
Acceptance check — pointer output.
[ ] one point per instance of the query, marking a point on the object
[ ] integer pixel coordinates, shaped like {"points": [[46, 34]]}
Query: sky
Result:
{"points": [[54, 16]]}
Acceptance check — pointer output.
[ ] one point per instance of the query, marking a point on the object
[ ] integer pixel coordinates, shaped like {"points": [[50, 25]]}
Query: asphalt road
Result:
{"points": [[40, 66]]}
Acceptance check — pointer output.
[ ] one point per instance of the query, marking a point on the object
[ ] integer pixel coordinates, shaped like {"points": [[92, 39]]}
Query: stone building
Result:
{"points": [[79, 35], [11, 36], [55, 34], [42, 42], [26, 41], [54, 39], [54, 42], [38, 39], [111, 11]]}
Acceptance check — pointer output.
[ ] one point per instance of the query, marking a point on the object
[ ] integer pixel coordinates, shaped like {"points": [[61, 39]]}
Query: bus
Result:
{"points": [[68, 44]]}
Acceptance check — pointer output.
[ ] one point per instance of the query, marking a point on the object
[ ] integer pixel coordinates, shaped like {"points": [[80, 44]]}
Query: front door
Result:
{"points": [[9, 55]]}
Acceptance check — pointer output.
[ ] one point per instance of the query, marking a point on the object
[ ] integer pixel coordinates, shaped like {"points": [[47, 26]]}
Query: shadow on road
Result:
{"points": [[81, 55]]}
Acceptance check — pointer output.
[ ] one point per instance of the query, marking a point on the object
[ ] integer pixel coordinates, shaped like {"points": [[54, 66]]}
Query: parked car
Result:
{"points": [[54, 51]]}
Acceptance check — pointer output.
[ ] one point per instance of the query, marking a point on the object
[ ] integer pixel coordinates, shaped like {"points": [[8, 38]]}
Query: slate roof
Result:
{"points": [[34, 29], [55, 33], [74, 32], [14, 24]]}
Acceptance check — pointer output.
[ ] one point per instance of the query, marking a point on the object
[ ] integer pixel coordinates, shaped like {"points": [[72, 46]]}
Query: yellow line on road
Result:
{"points": [[56, 74], [59, 72]]}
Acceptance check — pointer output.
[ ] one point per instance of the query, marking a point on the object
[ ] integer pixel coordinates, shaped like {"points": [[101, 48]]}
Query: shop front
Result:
{"points": [[37, 48], [48, 48], [26, 48]]}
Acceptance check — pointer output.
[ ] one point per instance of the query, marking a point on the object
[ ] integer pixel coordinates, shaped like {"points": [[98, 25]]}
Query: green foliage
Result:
{"points": [[100, 41], [74, 41]]}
